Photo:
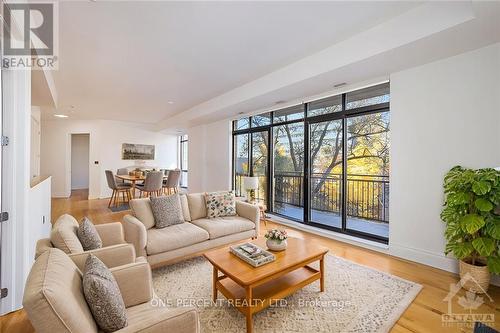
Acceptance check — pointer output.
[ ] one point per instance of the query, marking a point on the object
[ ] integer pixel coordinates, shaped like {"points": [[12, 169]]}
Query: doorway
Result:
{"points": [[80, 162]]}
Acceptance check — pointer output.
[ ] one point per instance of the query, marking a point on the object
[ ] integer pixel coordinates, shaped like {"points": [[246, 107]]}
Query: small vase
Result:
{"points": [[275, 245], [480, 274]]}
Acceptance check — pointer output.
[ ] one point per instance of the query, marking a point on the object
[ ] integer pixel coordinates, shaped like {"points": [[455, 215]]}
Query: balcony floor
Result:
{"points": [[334, 220]]}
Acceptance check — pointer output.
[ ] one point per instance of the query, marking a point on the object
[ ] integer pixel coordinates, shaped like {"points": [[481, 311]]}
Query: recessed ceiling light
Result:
{"points": [[170, 102], [279, 102], [339, 84], [241, 112], [60, 116]]}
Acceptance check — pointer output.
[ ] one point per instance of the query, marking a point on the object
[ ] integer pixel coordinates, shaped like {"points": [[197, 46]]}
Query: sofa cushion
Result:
{"points": [[53, 296], [64, 235], [223, 226], [103, 295], [197, 206], [220, 204], [88, 235], [167, 210], [174, 237], [141, 208], [160, 319], [185, 207]]}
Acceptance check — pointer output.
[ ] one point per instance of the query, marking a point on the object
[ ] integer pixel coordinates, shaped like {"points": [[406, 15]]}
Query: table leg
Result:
{"points": [[133, 189], [322, 272], [248, 291], [214, 284]]}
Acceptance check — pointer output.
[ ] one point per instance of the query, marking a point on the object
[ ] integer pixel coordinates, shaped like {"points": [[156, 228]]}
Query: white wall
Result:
{"points": [[35, 142], [106, 138], [80, 161], [443, 114], [209, 155]]}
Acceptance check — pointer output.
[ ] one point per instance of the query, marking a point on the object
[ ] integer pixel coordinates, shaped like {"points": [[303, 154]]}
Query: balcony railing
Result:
{"points": [[367, 195]]}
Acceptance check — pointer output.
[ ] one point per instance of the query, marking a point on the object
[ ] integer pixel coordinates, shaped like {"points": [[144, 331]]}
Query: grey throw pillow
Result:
{"points": [[103, 296], [167, 210], [88, 235]]}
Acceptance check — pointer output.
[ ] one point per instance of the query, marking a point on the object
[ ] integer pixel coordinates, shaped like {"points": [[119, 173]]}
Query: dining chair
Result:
{"points": [[124, 189], [152, 184], [172, 182], [121, 171]]}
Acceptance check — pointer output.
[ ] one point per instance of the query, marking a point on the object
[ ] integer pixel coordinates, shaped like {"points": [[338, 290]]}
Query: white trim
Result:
{"points": [[425, 257]]}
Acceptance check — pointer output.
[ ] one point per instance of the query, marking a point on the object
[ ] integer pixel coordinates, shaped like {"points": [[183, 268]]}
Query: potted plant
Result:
{"points": [[276, 239], [473, 222]]}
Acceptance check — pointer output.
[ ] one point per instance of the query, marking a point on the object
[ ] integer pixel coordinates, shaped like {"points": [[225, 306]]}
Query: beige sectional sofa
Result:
{"points": [[197, 234]]}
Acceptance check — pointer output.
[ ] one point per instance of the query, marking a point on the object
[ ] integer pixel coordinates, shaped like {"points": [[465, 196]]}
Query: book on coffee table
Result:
{"points": [[252, 254]]}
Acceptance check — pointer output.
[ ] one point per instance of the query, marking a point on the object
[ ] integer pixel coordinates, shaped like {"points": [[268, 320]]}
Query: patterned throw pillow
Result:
{"points": [[88, 235], [103, 296], [220, 204], [167, 210]]}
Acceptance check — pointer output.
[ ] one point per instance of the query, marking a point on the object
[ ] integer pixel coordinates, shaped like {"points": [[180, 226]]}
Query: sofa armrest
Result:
{"points": [[135, 282], [251, 212], [42, 245], [135, 233], [110, 233], [111, 256]]}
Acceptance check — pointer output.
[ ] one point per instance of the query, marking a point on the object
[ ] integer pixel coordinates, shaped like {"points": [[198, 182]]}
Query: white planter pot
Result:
{"points": [[274, 245]]}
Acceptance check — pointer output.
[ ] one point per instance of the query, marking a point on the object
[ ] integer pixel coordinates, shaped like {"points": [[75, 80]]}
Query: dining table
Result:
{"points": [[133, 180]]}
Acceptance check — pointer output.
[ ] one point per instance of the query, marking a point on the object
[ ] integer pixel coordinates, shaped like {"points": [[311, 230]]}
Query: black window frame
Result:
{"points": [[183, 149], [343, 115]]}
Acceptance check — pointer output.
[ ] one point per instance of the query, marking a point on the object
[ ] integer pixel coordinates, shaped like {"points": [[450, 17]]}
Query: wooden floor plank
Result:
{"points": [[423, 315]]}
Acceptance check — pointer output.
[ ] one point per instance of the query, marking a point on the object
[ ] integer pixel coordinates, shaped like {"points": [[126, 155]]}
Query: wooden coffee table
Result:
{"points": [[253, 289]]}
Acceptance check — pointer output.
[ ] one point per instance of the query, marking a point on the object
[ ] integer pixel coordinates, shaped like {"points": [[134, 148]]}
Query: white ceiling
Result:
{"points": [[126, 60]]}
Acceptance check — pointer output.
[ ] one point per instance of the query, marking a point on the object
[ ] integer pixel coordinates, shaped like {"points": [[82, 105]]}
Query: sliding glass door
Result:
{"points": [[260, 164], [288, 174], [241, 162], [325, 185], [368, 174]]}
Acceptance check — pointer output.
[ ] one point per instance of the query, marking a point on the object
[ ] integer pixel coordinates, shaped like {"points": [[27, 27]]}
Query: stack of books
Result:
{"points": [[252, 254]]}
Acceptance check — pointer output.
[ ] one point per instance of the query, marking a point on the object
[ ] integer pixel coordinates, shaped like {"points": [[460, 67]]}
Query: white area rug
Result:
{"points": [[356, 299]]}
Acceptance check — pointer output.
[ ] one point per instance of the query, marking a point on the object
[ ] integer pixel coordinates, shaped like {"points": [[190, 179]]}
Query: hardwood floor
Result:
{"points": [[423, 315]]}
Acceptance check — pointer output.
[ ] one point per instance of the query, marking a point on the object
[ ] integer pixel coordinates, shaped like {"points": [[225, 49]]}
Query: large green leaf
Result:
{"points": [[484, 246], [455, 199], [481, 187], [462, 250], [450, 215], [471, 223], [494, 264], [493, 228], [483, 205]]}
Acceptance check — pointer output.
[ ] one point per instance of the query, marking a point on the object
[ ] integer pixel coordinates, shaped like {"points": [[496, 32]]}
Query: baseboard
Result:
{"points": [[425, 257]]}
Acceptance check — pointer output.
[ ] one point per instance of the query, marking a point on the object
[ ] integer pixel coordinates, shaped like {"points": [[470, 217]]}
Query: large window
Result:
{"points": [[183, 149], [323, 163]]}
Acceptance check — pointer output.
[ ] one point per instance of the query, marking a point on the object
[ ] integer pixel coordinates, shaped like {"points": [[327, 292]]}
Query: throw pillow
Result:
{"points": [[185, 207], [167, 210], [64, 235], [220, 204], [103, 296], [88, 235]]}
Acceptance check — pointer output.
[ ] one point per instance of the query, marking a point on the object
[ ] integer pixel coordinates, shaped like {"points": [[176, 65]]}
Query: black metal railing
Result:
{"points": [[367, 195]]}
